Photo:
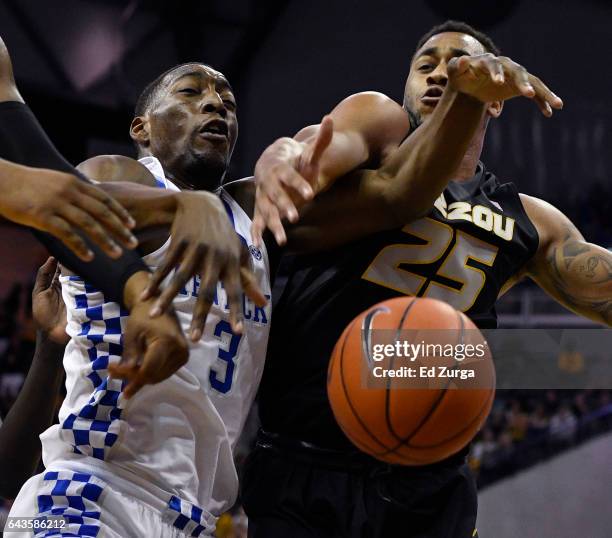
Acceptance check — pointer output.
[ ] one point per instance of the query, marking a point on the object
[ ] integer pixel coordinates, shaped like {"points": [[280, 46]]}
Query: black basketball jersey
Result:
{"points": [[475, 238]]}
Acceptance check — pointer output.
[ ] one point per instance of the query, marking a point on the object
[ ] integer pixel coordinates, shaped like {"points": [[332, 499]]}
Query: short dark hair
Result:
{"points": [[462, 28], [148, 96]]}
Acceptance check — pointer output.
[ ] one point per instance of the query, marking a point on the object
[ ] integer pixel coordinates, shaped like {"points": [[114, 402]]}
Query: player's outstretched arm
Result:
{"points": [[576, 273], [361, 130], [413, 176], [63, 205], [34, 408], [24, 142], [419, 170], [50, 201], [203, 240]]}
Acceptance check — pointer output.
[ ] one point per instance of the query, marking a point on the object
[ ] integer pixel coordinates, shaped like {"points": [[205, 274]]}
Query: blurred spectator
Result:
{"points": [[581, 407], [10, 384], [563, 425], [482, 451], [538, 424], [518, 421]]}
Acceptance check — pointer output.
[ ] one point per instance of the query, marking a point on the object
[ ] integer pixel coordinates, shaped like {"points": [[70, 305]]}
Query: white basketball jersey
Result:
{"points": [[175, 437]]}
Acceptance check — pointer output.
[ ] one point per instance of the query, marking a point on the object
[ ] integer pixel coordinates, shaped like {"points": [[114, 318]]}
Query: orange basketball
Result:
{"points": [[408, 418]]}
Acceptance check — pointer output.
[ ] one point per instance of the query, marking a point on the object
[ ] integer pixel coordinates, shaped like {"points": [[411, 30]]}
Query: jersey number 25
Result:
{"points": [[386, 269]]}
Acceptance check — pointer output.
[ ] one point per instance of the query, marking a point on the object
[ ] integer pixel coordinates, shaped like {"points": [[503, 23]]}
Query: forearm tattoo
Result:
{"points": [[582, 275]]}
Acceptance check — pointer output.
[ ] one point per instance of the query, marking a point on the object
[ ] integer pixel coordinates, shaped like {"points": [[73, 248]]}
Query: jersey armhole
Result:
{"points": [[536, 244]]}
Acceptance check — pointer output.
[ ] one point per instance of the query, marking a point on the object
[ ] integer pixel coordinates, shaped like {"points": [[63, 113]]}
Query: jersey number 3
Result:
{"points": [[385, 270], [227, 356]]}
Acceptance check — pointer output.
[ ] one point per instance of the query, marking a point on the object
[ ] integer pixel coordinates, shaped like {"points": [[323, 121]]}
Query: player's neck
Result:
{"points": [[205, 181], [467, 168]]}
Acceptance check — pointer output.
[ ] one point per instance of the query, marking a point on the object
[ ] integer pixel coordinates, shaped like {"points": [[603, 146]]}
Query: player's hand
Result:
{"points": [[286, 176], [48, 308], [153, 348], [62, 205], [490, 78], [205, 243]]}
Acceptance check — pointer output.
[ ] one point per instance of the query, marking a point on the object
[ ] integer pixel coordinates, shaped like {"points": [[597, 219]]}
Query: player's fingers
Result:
{"points": [[56, 274], [271, 218], [133, 344], [494, 68], [123, 370], [111, 222], [281, 200], [163, 358], [175, 252], [543, 91], [112, 204], [479, 66], [45, 275], [543, 105], [191, 262], [134, 385], [232, 283], [257, 228], [520, 77], [251, 287], [274, 223], [297, 183], [84, 222], [206, 297], [64, 231], [459, 65]]}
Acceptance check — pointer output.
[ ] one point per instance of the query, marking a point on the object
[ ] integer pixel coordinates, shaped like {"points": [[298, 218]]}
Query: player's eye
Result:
{"points": [[189, 91], [229, 104], [425, 67]]}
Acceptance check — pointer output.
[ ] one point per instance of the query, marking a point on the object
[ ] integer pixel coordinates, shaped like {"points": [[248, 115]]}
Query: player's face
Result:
{"points": [[193, 127], [429, 70]]}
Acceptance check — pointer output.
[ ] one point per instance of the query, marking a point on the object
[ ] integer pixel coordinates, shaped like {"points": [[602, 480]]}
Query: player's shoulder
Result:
{"points": [[243, 192], [381, 120], [110, 168], [550, 223], [540, 210], [374, 106], [371, 99]]}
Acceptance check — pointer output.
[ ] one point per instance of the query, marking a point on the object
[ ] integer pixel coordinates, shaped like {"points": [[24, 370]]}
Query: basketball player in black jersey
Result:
{"points": [[479, 237]]}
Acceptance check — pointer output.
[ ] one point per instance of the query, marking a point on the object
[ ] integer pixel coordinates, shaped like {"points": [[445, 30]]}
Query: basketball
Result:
{"points": [[404, 409]]}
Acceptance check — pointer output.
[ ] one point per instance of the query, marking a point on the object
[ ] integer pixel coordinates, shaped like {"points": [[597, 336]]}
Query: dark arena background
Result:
{"points": [[544, 458]]}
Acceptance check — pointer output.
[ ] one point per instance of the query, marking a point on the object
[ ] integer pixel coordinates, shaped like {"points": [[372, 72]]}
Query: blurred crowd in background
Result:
{"points": [[526, 427]]}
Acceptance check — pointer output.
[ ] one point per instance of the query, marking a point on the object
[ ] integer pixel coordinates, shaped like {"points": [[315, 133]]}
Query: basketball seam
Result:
{"points": [[483, 408], [405, 441], [388, 391], [348, 399]]}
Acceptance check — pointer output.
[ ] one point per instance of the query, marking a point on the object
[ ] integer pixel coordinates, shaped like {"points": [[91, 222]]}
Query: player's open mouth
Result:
{"points": [[432, 96], [214, 130]]}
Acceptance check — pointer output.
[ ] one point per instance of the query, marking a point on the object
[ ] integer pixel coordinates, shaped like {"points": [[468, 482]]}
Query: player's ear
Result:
{"points": [[495, 108], [139, 130]]}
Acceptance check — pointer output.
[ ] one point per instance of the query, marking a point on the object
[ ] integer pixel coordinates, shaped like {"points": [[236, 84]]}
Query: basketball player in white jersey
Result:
{"points": [[160, 463]]}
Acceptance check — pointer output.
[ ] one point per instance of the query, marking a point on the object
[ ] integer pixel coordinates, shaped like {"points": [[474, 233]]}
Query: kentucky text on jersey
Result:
{"points": [[250, 311], [482, 216]]}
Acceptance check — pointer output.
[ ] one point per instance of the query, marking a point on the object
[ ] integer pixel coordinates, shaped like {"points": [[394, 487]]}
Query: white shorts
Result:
{"points": [[89, 506]]}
